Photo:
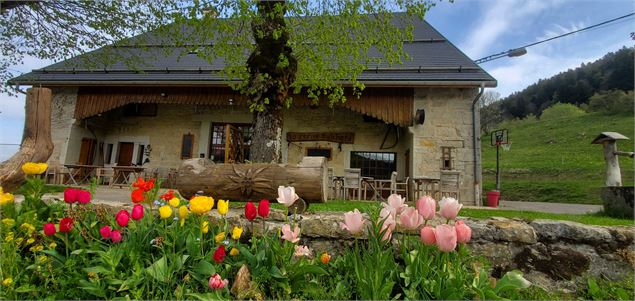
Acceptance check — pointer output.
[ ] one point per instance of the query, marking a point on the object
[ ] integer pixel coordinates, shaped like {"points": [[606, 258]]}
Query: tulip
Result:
{"points": [[122, 218], [426, 206], [302, 251], [218, 238], [353, 222], [216, 282], [428, 236], [410, 219], [174, 202], [325, 258], [137, 212], [105, 231], [168, 195], [395, 203], [237, 232], [263, 208], [6, 197], [287, 196], [288, 235], [445, 235], [463, 232], [49, 229], [201, 204], [223, 207], [165, 211], [205, 227], [83, 196], [115, 236], [183, 212], [219, 254], [388, 225], [66, 225], [32, 168], [137, 196], [449, 208], [234, 252], [250, 211], [70, 195]]}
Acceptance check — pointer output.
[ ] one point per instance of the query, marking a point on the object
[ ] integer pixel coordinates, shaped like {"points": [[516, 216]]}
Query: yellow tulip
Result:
{"points": [[165, 212], [237, 232], [201, 204], [234, 252], [205, 227], [31, 168], [8, 222], [223, 207], [174, 202], [5, 197], [183, 214], [219, 237], [7, 281]]}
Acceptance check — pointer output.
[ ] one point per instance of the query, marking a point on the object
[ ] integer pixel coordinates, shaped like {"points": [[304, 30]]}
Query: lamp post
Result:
{"points": [[509, 53]]}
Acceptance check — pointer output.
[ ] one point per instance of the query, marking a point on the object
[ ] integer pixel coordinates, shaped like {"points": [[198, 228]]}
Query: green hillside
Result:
{"points": [[553, 160]]}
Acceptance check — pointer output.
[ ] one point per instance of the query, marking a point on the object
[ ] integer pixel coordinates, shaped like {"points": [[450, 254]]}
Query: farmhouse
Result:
{"points": [[418, 119]]}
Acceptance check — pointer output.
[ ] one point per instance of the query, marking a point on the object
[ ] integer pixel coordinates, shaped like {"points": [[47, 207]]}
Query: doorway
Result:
{"points": [[125, 153], [87, 151]]}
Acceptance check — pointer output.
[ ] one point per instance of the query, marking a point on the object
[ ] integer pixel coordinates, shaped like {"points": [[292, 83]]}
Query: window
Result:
{"points": [[446, 158], [187, 144], [374, 164], [217, 145], [318, 152], [108, 158], [140, 109]]}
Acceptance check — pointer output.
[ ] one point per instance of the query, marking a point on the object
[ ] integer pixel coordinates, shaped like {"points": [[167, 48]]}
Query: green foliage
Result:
{"points": [[614, 102], [561, 110], [601, 289]]}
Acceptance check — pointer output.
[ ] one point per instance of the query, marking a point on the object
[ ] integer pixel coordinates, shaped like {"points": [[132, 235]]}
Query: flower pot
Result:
{"points": [[492, 198]]}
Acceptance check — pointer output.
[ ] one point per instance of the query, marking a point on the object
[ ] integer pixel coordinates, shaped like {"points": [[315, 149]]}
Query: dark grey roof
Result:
{"points": [[434, 61]]}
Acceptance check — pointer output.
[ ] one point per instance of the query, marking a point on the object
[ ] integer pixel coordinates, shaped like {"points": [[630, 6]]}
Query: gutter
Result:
{"points": [[476, 147]]}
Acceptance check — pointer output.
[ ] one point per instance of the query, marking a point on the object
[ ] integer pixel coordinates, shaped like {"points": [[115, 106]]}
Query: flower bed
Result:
{"points": [[167, 247]]}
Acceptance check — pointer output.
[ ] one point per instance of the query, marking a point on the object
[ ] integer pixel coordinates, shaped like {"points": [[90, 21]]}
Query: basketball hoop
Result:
{"points": [[506, 147]]}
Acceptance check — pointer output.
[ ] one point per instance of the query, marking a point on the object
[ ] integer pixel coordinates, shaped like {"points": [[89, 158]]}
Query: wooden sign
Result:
{"points": [[338, 137]]}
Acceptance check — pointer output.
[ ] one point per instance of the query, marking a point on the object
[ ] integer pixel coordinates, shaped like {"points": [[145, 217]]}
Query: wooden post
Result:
{"points": [[613, 174], [37, 145]]}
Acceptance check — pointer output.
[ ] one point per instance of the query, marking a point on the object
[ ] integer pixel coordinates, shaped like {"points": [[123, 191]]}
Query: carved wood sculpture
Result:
{"points": [[256, 181], [37, 145]]}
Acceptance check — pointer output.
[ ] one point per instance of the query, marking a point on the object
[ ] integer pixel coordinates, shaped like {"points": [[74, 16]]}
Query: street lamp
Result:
{"points": [[509, 53]]}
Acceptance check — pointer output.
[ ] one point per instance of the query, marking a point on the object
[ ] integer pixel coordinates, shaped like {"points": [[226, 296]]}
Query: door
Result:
{"points": [[125, 153], [87, 151], [234, 148]]}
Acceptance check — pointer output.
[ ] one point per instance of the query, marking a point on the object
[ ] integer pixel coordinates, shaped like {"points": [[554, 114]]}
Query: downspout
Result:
{"points": [[476, 146]]}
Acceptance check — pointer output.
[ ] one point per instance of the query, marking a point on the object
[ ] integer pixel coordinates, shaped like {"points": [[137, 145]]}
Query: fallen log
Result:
{"points": [[242, 182], [37, 145]]}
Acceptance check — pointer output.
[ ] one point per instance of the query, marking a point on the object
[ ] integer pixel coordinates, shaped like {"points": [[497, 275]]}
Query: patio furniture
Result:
{"points": [[122, 175], [449, 184], [79, 173], [397, 187], [352, 183], [425, 186], [104, 175]]}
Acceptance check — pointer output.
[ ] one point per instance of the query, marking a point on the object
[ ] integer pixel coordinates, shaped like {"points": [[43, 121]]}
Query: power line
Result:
{"points": [[521, 50]]}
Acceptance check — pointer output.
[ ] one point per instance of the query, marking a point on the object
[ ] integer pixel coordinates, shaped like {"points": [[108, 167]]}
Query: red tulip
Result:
{"points": [[83, 196], [427, 235], [106, 232], [137, 196], [168, 195], [219, 254], [250, 211], [263, 208], [463, 232], [70, 195], [122, 218], [445, 236], [66, 224], [216, 282], [137, 212], [115, 236], [49, 229]]}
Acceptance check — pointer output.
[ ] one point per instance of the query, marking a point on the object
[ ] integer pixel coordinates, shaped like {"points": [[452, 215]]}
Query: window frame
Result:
{"points": [[246, 128], [330, 150], [375, 175]]}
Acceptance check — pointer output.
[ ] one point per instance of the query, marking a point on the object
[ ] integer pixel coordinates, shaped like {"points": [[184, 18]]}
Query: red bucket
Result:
{"points": [[492, 198]]}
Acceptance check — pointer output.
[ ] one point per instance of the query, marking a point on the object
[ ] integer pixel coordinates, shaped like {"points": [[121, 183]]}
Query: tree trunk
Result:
{"points": [[37, 145], [272, 69]]}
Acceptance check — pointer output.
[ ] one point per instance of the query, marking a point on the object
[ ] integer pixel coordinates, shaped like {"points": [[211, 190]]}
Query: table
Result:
{"points": [[79, 173], [121, 175], [426, 185], [369, 182]]}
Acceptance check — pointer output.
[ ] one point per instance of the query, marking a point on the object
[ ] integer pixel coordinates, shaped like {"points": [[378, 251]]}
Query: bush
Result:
{"points": [[561, 110], [612, 102]]}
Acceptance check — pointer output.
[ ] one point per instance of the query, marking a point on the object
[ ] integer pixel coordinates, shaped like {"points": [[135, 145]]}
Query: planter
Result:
{"points": [[492, 198]]}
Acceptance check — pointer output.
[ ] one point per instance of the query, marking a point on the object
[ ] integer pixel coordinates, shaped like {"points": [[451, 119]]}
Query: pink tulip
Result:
{"points": [[287, 234], [449, 208], [388, 226], [122, 218], [137, 212], [387, 211], [115, 236], [463, 232], [302, 251], [353, 222], [426, 206], [410, 219], [287, 196], [395, 202], [83, 196], [216, 282], [428, 235], [70, 195], [445, 235], [106, 232]]}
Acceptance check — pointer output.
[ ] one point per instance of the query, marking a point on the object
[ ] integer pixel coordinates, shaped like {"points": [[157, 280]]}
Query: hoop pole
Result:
{"points": [[498, 177]]}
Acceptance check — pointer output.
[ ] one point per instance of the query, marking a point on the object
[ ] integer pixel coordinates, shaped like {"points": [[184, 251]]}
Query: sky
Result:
{"points": [[479, 28]]}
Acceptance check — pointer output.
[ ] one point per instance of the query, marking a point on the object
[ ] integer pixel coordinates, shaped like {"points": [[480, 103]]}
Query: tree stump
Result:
{"points": [[37, 145], [257, 181]]}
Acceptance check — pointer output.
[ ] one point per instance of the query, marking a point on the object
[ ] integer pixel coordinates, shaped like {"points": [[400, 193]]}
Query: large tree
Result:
{"points": [[271, 49]]}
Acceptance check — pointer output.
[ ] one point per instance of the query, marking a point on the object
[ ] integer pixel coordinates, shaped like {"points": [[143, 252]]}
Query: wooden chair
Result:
{"points": [[396, 187], [52, 172], [104, 175], [352, 183], [449, 183]]}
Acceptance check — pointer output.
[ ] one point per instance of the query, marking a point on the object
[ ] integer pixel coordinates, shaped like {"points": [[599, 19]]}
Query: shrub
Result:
{"points": [[561, 110], [612, 102]]}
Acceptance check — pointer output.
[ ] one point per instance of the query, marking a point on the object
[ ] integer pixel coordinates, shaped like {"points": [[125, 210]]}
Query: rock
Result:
{"points": [[481, 231], [498, 254], [623, 235], [552, 230], [557, 262], [243, 288], [513, 231]]}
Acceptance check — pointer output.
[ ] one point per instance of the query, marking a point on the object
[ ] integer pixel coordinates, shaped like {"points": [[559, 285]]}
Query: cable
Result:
{"points": [[506, 53]]}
